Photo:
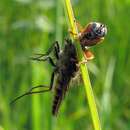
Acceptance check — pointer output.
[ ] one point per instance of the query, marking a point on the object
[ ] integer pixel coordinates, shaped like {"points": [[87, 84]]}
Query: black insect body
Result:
{"points": [[66, 64], [66, 67], [64, 71]]}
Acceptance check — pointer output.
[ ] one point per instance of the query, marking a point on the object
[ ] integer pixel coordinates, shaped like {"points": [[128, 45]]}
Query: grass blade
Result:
{"points": [[83, 68]]}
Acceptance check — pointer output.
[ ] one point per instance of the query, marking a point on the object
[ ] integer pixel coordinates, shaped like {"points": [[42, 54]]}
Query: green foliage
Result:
{"points": [[28, 27], [83, 68]]}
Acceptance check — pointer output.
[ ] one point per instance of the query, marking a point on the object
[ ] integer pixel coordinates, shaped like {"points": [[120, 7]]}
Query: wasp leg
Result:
{"points": [[31, 91], [72, 33], [88, 55], [80, 28], [82, 62]]}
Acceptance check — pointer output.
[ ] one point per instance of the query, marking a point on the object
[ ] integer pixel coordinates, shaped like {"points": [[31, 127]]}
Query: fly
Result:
{"points": [[64, 70]]}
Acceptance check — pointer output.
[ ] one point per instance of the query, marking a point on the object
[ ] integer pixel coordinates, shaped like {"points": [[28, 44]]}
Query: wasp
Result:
{"points": [[66, 65]]}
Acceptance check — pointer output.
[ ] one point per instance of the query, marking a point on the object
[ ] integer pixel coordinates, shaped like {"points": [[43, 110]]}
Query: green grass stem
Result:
{"points": [[83, 68]]}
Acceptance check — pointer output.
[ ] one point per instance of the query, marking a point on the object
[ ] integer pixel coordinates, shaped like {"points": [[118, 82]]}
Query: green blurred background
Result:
{"points": [[28, 27]]}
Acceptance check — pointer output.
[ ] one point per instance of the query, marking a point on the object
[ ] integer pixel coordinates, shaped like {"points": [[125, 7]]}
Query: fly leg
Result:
{"points": [[44, 57], [35, 89], [54, 47]]}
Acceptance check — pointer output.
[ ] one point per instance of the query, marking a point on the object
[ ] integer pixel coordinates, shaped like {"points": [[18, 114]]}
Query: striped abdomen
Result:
{"points": [[60, 92], [57, 100]]}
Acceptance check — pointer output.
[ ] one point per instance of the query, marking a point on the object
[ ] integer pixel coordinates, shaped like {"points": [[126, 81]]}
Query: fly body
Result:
{"points": [[66, 67]]}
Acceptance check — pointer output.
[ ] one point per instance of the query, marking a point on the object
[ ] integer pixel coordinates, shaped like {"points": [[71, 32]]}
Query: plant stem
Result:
{"points": [[83, 68]]}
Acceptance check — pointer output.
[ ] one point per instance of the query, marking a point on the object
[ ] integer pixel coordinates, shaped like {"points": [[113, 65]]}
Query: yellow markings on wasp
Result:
{"points": [[83, 67]]}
